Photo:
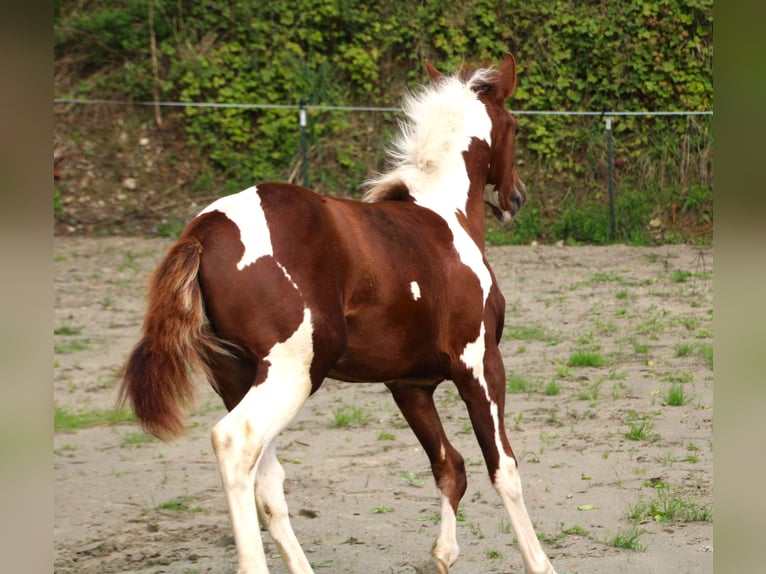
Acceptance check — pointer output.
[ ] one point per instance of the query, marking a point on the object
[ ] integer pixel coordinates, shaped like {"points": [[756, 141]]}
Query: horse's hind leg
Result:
{"points": [[417, 405], [272, 510], [243, 435]]}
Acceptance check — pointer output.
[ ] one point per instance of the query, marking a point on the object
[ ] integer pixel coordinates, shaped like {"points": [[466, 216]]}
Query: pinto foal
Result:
{"points": [[269, 291]]}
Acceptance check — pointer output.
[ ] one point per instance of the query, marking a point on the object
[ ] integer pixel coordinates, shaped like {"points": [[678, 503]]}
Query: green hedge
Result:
{"points": [[643, 55]]}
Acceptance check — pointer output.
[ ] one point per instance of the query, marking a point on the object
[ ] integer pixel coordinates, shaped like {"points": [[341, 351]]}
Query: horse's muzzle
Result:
{"points": [[519, 194]]}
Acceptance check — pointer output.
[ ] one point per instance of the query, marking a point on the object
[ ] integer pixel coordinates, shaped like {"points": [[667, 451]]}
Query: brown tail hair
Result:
{"points": [[176, 335]]}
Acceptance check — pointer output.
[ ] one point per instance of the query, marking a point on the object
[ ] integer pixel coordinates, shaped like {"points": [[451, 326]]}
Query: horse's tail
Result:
{"points": [[176, 335]]}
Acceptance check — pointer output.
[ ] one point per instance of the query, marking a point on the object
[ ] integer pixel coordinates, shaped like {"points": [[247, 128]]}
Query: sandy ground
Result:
{"points": [[361, 497]]}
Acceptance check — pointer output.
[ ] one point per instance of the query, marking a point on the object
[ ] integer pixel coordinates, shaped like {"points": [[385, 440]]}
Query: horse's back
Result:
{"points": [[388, 294]]}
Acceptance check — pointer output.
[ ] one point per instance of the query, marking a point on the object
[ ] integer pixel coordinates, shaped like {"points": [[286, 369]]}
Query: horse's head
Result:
{"points": [[505, 193]]}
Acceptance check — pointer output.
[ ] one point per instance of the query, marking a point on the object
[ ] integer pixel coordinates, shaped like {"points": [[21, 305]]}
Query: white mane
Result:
{"points": [[440, 122]]}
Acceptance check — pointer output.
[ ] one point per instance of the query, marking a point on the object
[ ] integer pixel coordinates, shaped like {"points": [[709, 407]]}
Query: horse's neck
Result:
{"points": [[476, 221], [458, 198]]}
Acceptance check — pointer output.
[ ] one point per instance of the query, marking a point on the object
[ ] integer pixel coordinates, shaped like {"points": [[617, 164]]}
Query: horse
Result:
{"points": [[271, 290]]}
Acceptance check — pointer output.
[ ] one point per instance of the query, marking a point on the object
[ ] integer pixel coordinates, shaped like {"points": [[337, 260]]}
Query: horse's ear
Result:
{"points": [[506, 76], [433, 73]]}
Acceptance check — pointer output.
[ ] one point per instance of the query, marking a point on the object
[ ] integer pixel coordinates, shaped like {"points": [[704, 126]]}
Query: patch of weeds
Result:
{"points": [[552, 388], [518, 384], [588, 340], [557, 540], [675, 396], [71, 346], [605, 329], [182, 504], [412, 478], [679, 276], [67, 330], [690, 323], [530, 333], [704, 333], [129, 261], [107, 381], [575, 530], [627, 539], [135, 439], [599, 277], [591, 393], [686, 377], [171, 228], [651, 327], [563, 371], [525, 332], [669, 505], [640, 429], [622, 294], [436, 517], [64, 447], [386, 436], [684, 349], [548, 438], [706, 352], [107, 303], [67, 421], [324, 564], [619, 390], [640, 348], [494, 555], [381, 509], [350, 416], [586, 359]]}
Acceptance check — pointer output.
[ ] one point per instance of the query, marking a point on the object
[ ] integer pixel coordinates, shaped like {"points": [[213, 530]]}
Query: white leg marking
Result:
{"points": [[446, 548], [473, 358], [508, 484], [240, 438], [272, 510], [244, 209], [415, 289]]}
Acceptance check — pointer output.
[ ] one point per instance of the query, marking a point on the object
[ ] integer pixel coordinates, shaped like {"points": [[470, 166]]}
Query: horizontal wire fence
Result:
{"points": [[360, 108], [607, 113]]}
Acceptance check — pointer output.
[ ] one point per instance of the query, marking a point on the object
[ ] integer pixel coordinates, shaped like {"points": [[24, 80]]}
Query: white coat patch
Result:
{"points": [[415, 288], [245, 211]]}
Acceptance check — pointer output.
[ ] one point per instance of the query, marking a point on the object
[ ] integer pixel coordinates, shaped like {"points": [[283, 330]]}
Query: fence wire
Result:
{"points": [[84, 101]]}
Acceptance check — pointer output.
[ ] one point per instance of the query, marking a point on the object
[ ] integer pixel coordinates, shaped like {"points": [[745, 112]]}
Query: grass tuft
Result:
{"points": [[675, 395], [670, 506], [586, 359], [627, 539], [68, 421], [350, 416], [517, 384]]}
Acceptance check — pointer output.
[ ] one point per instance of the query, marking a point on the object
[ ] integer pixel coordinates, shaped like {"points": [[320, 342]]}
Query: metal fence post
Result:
{"points": [[304, 164], [610, 171]]}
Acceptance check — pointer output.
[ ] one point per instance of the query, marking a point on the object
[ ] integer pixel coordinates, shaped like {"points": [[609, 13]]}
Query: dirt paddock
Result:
{"points": [[599, 343]]}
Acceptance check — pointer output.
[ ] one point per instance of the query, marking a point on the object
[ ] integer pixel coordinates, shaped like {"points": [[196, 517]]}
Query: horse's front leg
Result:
{"points": [[416, 402], [482, 388]]}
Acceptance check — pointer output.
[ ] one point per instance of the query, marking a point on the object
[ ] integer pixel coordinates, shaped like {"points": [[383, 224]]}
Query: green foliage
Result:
{"points": [[65, 420], [645, 55], [586, 359]]}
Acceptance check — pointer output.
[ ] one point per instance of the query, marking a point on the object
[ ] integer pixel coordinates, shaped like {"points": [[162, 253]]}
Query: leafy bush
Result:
{"points": [[644, 55]]}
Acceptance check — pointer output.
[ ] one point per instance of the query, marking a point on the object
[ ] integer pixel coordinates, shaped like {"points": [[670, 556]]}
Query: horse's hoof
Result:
{"points": [[433, 566]]}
